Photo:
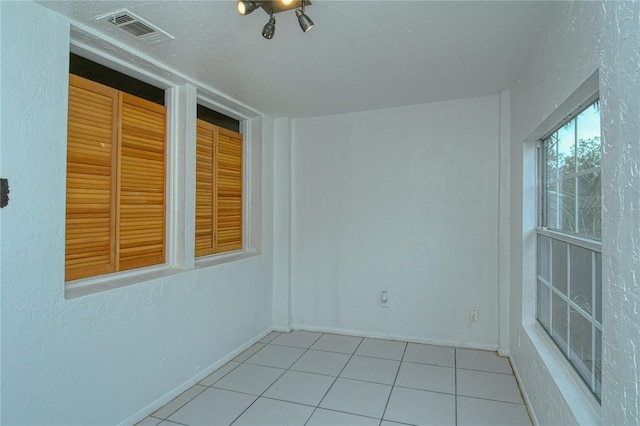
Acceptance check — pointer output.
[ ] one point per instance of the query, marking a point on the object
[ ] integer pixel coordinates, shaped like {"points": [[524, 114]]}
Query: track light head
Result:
{"points": [[270, 28], [271, 7], [245, 7], [305, 22]]}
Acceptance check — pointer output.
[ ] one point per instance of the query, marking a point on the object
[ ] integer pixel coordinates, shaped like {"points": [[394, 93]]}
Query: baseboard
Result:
{"points": [[163, 400], [387, 336]]}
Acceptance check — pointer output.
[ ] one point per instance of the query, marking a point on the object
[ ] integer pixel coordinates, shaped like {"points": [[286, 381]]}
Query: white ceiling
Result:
{"points": [[361, 55]]}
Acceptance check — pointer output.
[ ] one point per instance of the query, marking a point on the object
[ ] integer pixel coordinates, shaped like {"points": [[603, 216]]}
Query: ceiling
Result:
{"points": [[361, 55]]}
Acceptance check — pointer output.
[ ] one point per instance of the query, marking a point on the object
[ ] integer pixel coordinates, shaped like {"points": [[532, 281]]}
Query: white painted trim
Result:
{"points": [[93, 285], [580, 401], [398, 337], [582, 96], [523, 391], [574, 240], [219, 259], [167, 397], [282, 224], [504, 224], [180, 168]]}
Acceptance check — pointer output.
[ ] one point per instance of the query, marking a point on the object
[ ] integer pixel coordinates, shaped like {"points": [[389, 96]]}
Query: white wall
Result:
{"points": [[102, 358], [403, 200], [578, 39]]}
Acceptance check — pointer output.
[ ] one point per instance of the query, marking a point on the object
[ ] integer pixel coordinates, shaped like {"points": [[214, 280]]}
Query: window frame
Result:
{"points": [[218, 131], [572, 241], [126, 158], [181, 99], [542, 181]]}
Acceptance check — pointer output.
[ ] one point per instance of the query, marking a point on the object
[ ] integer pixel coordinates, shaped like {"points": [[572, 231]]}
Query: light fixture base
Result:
{"points": [[277, 6]]}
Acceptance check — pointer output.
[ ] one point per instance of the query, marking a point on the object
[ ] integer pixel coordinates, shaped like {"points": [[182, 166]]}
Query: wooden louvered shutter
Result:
{"points": [[91, 147], [141, 179], [228, 162], [205, 188]]}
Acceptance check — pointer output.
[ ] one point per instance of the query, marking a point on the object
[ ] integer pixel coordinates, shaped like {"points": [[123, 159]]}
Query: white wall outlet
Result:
{"points": [[385, 301], [474, 315]]}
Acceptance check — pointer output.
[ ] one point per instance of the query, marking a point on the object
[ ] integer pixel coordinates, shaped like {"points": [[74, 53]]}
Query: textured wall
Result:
{"points": [[579, 38], [403, 200], [563, 55], [96, 359], [620, 100]]}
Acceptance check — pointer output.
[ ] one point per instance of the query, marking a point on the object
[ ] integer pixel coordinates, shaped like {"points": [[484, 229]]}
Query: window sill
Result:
{"points": [[219, 259], [93, 285], [581, 402]]}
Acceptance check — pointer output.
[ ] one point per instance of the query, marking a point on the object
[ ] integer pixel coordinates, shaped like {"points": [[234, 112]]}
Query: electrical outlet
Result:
{"points": [[385, 302], [474, 315]]}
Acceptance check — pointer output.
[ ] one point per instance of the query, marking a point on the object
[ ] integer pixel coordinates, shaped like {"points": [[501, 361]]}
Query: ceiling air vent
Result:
{"points": [[135, 26]]}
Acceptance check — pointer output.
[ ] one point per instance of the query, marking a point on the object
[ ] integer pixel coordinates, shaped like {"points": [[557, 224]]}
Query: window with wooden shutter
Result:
{"points": [[205, 188], [218, 189], [91, 150], [115, 217], [229, 191], [141, 193]]}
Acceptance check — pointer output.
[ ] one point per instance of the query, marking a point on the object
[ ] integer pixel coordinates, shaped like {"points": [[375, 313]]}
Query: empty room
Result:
{"points": [[321, 212]]}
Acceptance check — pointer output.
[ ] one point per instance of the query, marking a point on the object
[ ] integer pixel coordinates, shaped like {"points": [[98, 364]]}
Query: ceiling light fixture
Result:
{"points": [[245, 7], [272, 7], [270, 28], [305, 22]]}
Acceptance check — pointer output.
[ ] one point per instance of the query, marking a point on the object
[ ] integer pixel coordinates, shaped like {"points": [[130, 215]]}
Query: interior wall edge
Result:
{"points": [[202, 374]]}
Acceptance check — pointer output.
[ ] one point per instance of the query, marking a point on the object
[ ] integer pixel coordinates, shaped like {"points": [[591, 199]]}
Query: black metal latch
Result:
{"points": [[4, 192]]}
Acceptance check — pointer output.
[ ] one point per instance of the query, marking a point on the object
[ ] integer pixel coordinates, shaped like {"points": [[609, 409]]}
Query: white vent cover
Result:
{"points": [[135, 26]]}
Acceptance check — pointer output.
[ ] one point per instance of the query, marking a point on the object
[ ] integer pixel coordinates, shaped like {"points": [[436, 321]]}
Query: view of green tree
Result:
{"points": [[572, 193]]}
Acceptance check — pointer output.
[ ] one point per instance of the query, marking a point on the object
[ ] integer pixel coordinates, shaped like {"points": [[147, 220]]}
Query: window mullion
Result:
{"points": [[575, 170], [551, 285], [568, 300], [594, 258]]}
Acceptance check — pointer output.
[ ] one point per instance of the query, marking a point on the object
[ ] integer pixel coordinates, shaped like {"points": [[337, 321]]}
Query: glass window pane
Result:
{"points": [[590, 205], [551, 215], [598, 364], [559, 319], [568, 205], [567, 148], [598, 301], [559, 266], [543, 306], [581, 355], [588, 130], [543, 258], [581, 283]]}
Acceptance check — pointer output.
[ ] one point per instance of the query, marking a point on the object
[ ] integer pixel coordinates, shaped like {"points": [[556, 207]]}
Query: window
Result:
{"points": [[569, 259], [218, 189], [115, 207]]}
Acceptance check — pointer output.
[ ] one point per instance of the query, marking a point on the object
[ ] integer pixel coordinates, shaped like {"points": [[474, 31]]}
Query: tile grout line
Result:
{"points": [[336, 378], [257, 397], [406, 344], [278, 378], [176, 410], [351, 357]]}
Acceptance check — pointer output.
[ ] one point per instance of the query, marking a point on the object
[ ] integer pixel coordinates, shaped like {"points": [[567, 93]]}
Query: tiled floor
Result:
{"points": [[305, 378]]}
